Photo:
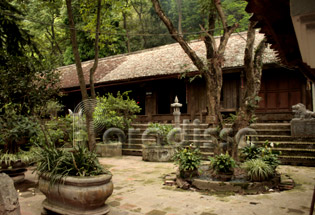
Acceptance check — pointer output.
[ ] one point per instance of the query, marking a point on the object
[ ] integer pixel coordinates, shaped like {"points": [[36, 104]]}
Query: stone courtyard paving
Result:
{"points": [[139, 189]]}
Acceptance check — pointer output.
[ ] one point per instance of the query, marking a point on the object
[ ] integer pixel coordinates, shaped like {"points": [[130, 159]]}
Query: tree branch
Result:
{"points": [[218, 6], [258, 59], [191, 53], [214, 46], [225, 38], [248, 54]]}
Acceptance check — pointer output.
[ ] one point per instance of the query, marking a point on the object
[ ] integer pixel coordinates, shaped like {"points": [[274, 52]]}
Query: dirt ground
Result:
{"points": [[139, 189]]}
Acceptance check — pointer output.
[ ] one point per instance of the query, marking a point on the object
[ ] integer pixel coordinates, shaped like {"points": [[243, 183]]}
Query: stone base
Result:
{"points": [[158, 153], [303, 127], [66, 211], [109, 149], [17, 175], [237, 187]]}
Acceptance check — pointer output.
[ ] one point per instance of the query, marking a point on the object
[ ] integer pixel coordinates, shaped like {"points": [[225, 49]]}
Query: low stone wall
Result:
{"points": [[157, 153], [109, 149], [303, 127], [237, 187]]}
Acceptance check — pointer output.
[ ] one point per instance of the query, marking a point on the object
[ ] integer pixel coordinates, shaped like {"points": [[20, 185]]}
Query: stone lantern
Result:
{"points": [[176, 106]]}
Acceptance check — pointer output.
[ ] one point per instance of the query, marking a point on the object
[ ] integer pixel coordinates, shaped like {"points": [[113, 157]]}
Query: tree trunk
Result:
{"points": [[179, 5], [253, 70], [96, 49], [127, 34], [139, 13], [89, 117], [213, 71]]}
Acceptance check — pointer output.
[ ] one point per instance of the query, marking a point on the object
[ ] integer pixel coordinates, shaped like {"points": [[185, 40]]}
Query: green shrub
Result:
{"points": [[258, 170], [187, 159], [222, 163], [15, 129], [26, 157], [57, 131], [116, 112], [264, 152], [58, 163], [272, 160], [162, 130], [251, 152]]}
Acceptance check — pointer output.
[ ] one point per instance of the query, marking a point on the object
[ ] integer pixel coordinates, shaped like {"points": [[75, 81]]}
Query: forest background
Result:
{"points": [[126, 25]]}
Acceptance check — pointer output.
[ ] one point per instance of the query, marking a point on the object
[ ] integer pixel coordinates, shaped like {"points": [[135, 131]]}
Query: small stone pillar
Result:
{"points": [[176, 112]]}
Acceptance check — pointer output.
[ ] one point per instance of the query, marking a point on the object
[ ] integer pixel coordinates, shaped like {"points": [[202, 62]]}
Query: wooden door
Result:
{"points": [[279, 91]]}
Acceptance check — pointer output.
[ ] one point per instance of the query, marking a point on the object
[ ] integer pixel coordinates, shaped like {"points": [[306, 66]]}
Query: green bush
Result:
{"points": [[251, 152], [264, 153], [272, 160], [116, 112], [222, 163], [57, 131], [187, 159], [58, 163], [258, 170], [15, 129], [26, 157], [162, 130]]}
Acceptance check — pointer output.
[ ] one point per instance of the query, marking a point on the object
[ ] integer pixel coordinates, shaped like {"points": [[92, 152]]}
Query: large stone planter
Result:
{"points": [[77, 195], [157, 153], [109, 149]]}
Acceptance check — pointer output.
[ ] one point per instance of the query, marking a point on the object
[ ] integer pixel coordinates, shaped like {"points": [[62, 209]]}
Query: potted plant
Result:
{"points": [[73, 181], [15, 133], [188, 160], [163, 149], [223, 166], [258, 170]]}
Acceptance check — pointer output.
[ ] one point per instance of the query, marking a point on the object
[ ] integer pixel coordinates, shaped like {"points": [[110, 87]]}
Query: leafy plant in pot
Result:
{"points": [[74, 182], [223, 166], [188, 160], [258, 170], [15, 132]]}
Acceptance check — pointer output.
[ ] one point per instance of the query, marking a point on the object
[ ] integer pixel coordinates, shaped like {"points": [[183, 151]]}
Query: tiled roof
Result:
{"points": [[163, 60]]}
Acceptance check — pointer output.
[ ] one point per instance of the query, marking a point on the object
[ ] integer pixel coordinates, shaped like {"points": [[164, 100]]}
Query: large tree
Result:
{"points": [[212, 68], [253, 64], [84, 93]]}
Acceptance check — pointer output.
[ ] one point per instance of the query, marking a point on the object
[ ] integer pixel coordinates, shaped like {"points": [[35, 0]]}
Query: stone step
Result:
{"points": [[286, 132], [135, 152], [140, 140], [295, 151], [189, 125], [206, 155], [276, 138], [271, 126], [289, 144], [132, 146], [297, 160]]}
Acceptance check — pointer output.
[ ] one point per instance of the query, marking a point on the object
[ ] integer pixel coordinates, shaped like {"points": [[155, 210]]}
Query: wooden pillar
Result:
{"points": [[149, 104]]}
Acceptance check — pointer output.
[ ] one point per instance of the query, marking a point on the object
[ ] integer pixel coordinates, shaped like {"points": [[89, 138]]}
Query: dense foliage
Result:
{"points": [[258, 170], [116, 111], [222, 163], [162, 131], [57, 163], [187, 159], [263, 152], [126, 25], [27, 81]]}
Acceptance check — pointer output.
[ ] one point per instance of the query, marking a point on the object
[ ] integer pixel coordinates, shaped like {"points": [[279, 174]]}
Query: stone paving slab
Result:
{"points": [[139, 189]]}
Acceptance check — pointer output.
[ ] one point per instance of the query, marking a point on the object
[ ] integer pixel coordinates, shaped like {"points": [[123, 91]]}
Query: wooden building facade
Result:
{"points": [[155, 77]]}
